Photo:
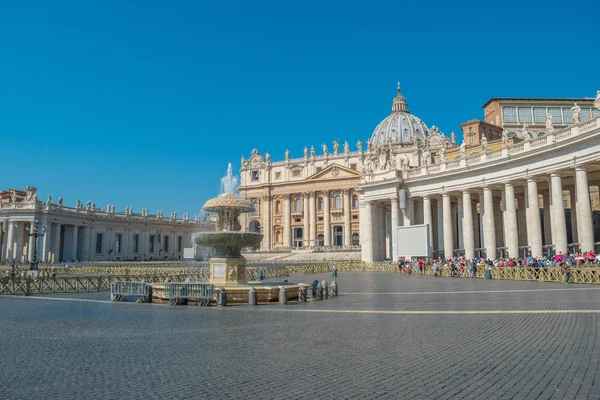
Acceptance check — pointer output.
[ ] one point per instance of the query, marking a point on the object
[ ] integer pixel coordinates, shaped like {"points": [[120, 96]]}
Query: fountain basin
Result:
{"points": [[228, 244], [266, 292]]}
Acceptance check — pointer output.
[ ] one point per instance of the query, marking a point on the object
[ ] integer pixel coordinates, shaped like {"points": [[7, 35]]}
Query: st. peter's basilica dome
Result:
{"points": [[400, 126]]}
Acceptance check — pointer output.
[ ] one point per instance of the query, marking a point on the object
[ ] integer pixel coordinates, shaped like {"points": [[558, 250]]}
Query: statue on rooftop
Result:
{"points": [[336, 147], [49, 199], [452, 137], [346, 147], [549, 126], [597, 101], [576, 113], [359, 146], [325, 149], [305, 152]]}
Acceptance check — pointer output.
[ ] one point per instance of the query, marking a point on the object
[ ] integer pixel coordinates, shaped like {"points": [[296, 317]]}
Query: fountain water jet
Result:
{"points": [[227, 266]]}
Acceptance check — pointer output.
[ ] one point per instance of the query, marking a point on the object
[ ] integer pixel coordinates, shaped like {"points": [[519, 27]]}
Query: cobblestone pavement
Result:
{"points": [[386, 336]]}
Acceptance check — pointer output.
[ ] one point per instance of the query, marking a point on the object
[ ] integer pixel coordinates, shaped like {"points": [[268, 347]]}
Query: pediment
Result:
{"points": [[334, 171]]}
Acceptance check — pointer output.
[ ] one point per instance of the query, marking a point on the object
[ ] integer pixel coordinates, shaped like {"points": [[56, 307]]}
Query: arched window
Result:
{"points": [[255, 205], [320, 204], [277, 207], [541, 133], [298, 204], [337, 201], [355, 239], [512, 134], [354, 201]]}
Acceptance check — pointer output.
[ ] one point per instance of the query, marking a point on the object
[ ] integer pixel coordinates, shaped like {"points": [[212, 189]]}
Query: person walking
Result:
{"points": [[334, 272], [260, 275]]}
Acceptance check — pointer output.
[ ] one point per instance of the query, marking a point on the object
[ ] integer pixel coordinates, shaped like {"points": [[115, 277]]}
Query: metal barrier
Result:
{"points": [[181, 293], [140, 290]]}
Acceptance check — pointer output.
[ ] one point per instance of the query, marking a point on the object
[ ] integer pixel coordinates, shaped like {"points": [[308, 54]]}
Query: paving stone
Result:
{"points": [[338, 348]]}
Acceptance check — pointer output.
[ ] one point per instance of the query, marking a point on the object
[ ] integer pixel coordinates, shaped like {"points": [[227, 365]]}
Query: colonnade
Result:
{"points": [[514, 218], [68, 241]]}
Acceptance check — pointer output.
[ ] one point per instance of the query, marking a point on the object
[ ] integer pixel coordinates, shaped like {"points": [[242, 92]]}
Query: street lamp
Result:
{"points": [[35, 232]]}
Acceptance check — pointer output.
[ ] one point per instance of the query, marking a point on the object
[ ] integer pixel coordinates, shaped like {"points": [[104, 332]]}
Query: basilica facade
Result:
{"points": [[522, 183], [84, 232]]}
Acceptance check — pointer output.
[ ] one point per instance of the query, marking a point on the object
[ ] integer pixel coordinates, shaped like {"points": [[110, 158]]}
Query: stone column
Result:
{"points": [[313, 219], [409, 213], [347, 217], [31, 244], [440, 225], [522, 221], [427, 218], [10, 241], [574, 228], [266, 211], [326, 219], [559, 225], [395, 222], [305, 219], [476, 221], [459, 220], [511, 232], [547, 219], [498, 223], [585, 224], [56, 255], [489, 228], [467, 226], [533, 218], [287, 221], [366, 231], [447, 226], [75, 234], [454, 223]]}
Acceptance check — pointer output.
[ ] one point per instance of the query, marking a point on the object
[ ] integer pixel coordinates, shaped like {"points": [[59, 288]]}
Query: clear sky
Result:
{"points": [[143, 103]]}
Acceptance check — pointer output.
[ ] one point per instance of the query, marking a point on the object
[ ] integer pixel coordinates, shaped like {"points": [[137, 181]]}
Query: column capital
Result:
{"points": [[286, 196], [555, 173], [394, 200], [445, 194], [325, 192], [509, 184], [266, 197], [345, 191], [580, 167], [311, 193], [531, 178]]}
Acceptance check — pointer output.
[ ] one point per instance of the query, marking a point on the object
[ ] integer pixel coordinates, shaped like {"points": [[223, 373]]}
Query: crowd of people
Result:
{"points": [[456, 266]]}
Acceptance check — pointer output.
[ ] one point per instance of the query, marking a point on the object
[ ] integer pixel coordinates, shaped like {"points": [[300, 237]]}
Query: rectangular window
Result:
{"points": [[118, 243], [595, 112], [509, 114], [353, 167], [277, 175], [296, 173], [556, 115], [180, 244], [136, 243], [151, 242], [567, 115], [539, 114], [254, 175], [585, 114], [525, 114], [99, 237], [319, 169], [166, 245]]}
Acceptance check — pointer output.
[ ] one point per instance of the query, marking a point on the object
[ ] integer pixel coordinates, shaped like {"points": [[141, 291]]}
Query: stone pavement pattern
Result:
{"points": [[340, 348]]}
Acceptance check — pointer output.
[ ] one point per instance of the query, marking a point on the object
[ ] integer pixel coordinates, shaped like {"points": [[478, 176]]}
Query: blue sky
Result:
{"points": [[143, 103]]}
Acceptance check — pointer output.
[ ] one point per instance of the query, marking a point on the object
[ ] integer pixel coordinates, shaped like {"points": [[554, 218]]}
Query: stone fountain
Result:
{"points": [[227, 266]]}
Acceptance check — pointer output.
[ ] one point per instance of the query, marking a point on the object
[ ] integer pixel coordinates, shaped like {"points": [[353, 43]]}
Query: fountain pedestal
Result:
{"points": [[227, 271]]}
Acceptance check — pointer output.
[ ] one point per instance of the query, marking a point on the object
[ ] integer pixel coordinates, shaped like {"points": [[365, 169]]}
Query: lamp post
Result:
{"points": [[36, 233]]}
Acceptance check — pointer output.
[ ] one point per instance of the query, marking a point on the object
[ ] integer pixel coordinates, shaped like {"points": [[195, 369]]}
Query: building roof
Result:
{"points": [[538, 99]]}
